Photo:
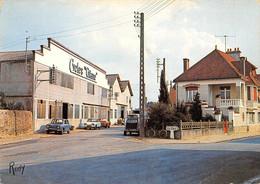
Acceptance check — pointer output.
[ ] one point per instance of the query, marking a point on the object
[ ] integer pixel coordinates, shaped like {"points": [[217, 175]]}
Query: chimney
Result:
{"points": [[235, 54], [243, 66], [186, 64]]}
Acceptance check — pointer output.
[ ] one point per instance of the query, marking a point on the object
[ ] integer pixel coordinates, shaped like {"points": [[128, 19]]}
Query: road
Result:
{"points": [[106, 156]]}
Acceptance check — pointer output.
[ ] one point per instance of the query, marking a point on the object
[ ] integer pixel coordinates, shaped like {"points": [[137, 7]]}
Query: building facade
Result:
{"points": [[120, 98], [225, 81], [55, 82]]}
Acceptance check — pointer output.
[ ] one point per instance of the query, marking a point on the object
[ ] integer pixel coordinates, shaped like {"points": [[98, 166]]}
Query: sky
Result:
{"points": [[103, 32]]}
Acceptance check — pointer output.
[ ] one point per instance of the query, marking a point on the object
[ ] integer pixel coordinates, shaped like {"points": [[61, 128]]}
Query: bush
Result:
{"points": [[208, 118], [9, 105]]}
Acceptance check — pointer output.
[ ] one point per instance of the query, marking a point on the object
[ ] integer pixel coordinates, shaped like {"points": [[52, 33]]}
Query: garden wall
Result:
{"points": [[14, 123]]}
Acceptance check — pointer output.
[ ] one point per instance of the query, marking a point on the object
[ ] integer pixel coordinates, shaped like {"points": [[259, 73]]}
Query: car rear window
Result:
{"points": [[132, 121]]}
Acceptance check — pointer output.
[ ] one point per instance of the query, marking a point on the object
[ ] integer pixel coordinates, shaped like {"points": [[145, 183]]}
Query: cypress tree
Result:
{"points": [[164, 94]]}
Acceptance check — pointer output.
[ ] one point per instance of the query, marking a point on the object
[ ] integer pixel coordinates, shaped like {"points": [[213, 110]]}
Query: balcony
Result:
{"points": [[231, 102], [252, 104]]}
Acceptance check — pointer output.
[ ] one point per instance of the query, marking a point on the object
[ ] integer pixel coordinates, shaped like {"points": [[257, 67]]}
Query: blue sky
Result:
{"points": [[103, 32]]}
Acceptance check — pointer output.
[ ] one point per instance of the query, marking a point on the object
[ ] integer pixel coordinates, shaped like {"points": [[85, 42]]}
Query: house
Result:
{"points": [[225, 81], [119, 98]]}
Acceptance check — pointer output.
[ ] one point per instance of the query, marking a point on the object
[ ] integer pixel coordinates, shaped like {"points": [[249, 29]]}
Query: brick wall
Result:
{"points": [[23, 119]]}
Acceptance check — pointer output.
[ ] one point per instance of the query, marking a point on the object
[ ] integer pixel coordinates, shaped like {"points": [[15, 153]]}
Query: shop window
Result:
{"points": [[104, 92], [111, 113], [52, 110], [58, 110], [70, 109], [76, 112], [92, 112], [115, 113], [225, 92], [191, 92], [41, 109], [91, 89], [255, 94], [248, 93], [86, 112], [251, 117]]}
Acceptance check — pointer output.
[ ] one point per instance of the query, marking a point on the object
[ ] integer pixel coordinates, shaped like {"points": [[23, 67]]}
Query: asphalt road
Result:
{"points": [[106, 156]]}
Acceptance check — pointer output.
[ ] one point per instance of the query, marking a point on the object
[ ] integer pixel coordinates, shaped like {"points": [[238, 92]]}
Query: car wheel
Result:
{"points": [[109, 126], [95, 127], [48, 131], [124, 133], [61, 132], [68, 131], [138, 133]]}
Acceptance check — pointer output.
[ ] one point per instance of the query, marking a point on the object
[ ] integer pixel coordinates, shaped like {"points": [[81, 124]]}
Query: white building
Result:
{"points": [[55, 83], [120, 98]]}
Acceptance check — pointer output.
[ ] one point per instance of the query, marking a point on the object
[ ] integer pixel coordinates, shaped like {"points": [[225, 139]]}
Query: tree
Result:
{"points": [[195, 109], [159, 114], [164, 94], [181, 113]]}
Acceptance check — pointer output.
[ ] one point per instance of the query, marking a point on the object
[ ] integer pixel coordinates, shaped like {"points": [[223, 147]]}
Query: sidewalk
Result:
{"points": [[202, 139]]}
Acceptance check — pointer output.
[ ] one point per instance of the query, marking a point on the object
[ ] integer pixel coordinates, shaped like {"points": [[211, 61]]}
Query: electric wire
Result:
{"points": [[154, 6], [159, 10]]}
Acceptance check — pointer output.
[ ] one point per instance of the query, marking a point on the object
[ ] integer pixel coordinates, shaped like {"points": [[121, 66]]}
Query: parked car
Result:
{"points": [[92, 123], [104, 123], [58, 126]]}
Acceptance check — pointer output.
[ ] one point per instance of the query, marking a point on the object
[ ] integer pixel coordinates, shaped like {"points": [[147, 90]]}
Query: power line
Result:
{"points": [[160, 9], [154, 6]]}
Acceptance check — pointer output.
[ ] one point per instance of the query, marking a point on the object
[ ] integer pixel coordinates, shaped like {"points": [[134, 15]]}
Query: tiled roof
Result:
{"points": [[125, 84], [249, 66], [112, 78], [216, 65], [15, 55]]}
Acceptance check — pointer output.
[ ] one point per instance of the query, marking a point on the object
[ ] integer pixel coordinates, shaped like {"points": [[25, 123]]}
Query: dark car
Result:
{"points": [[132, 124], [58, 126]]}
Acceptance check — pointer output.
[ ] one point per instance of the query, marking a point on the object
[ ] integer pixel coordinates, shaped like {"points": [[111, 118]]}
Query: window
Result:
{"points": [[70, 109], [258, 117], [111, 113], [126, 99], [191, 92], [92, 112], [225, 92], [251, 117], [52, 110], [85, 112], [58, 110], [115, 113], [64, 80], [76, 112], [91, 89], [248, 93], [255, 94], [41, 109], [104, 92]]}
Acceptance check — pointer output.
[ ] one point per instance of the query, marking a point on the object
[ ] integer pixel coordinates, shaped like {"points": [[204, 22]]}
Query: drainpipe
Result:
{"points": [[15, 124]]}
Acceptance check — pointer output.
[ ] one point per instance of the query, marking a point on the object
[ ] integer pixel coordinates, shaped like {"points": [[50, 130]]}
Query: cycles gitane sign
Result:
{"points": [[83, 71]]}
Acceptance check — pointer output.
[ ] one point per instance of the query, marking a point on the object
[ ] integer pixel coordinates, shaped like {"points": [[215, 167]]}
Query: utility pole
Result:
{"points": [[225, 36], [158, 67], [26, 62], [139, 22]]}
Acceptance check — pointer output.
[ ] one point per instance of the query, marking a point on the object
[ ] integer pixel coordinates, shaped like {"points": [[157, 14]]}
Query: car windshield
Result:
{"points": [[56, 121], [92, 120], [132, 121]]}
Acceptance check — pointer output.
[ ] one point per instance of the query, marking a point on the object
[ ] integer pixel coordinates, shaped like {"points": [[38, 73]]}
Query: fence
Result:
{"points": [[194, 129], [204, 125]]}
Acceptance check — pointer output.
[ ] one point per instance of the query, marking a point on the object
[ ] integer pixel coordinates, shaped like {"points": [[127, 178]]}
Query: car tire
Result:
{"points": [[95, 128], [138, 133], [109, 126], [125, 133], [48, 131], [61, 132], [68, 131]]}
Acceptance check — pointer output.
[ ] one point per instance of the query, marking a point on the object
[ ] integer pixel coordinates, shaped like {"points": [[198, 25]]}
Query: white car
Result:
{"points": [[92, 123]]}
